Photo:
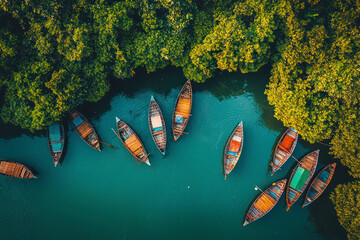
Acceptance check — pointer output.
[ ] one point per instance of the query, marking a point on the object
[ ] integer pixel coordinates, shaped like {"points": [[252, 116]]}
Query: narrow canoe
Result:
{"points": [[56, 140], [265, 202], [301, 177], [319, 184], [85, 130], [284, 149], [233, 149], [132, 142], [157, 126], [15, 169], [182, 110]]}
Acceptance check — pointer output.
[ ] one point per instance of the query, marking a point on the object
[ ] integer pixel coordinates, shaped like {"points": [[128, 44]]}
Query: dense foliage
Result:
{"points": [[54, 55], [347, 204]]}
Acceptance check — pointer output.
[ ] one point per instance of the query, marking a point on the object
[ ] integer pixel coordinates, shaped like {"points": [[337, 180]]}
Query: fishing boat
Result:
{"points": [[319, 184], [132, 142], [265, 202], [182, 110], [85, 130], [15, 169], [301, 177], [284, 149], [157, 125], [56, 140], [233, 149]]}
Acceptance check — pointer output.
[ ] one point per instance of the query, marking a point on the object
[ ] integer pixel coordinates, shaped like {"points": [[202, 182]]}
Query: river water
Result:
{"points": [[107, 195]]}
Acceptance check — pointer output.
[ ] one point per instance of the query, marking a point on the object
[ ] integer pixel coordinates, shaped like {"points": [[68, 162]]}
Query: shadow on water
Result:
{"points": [[160, 82], [223, 85]]}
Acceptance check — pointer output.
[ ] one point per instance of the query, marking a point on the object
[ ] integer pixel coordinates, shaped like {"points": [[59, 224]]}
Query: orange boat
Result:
{"points": [[182, 110], [265, 202], [15, 169], [284, 149], [85, 130], [132, 142], [233, 149]]}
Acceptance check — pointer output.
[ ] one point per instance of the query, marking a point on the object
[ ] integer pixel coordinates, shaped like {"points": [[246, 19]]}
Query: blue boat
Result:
{"points": [[319, 184], [56, 141]]}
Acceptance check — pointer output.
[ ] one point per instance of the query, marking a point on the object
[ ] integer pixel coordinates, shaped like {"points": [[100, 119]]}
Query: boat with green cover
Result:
{"points": [[56, 140], [300, 177], [320, 183]]}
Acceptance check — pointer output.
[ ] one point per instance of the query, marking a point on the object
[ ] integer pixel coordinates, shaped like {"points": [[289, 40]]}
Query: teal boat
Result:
{"points": [[56, 141], [300, 177]]}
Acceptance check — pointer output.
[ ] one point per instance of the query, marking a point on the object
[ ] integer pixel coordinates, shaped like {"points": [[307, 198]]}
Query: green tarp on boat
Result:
{"points": [[54, 131], [299, 178]]}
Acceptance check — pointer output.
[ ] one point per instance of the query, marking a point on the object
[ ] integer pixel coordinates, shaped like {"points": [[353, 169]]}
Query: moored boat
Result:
{"points": [[284, 149], [233, 149], [182, 110], [319, 184], [132, 142], [15, 169], [85, 129], [157, 125], [300, 177], [56, 140], [265, 202]]}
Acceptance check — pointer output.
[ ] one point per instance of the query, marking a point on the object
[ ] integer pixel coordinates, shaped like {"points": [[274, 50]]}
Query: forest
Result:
{"points": [[55, 55]]}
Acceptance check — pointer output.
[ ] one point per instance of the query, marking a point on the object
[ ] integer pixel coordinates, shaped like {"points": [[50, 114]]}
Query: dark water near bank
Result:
{"points": [[107, 195]]}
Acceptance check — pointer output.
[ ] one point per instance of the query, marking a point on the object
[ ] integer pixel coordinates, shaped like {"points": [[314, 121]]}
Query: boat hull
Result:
{"points": [[319, 184], [157, 125], [132, 142], [85, 130], [284, 148], [300, 177], [233, 149], [182, 110], [265, 202]]}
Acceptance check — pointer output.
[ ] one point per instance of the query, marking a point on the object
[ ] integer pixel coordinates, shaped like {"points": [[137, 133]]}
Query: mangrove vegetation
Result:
{"points": [[55, 55]]}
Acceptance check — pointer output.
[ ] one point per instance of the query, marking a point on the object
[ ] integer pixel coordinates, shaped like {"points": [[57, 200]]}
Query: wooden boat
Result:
{"points": [[284, 149], [182, 110], [85, 130], [319, 184], [265, 202], [301, 177], [15, 169], [157, 126], [132, 142], [56, 140], [233, 149]]}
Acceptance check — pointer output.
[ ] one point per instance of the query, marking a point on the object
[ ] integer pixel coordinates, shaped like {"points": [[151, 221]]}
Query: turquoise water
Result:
{"points": [[106, 195]]}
